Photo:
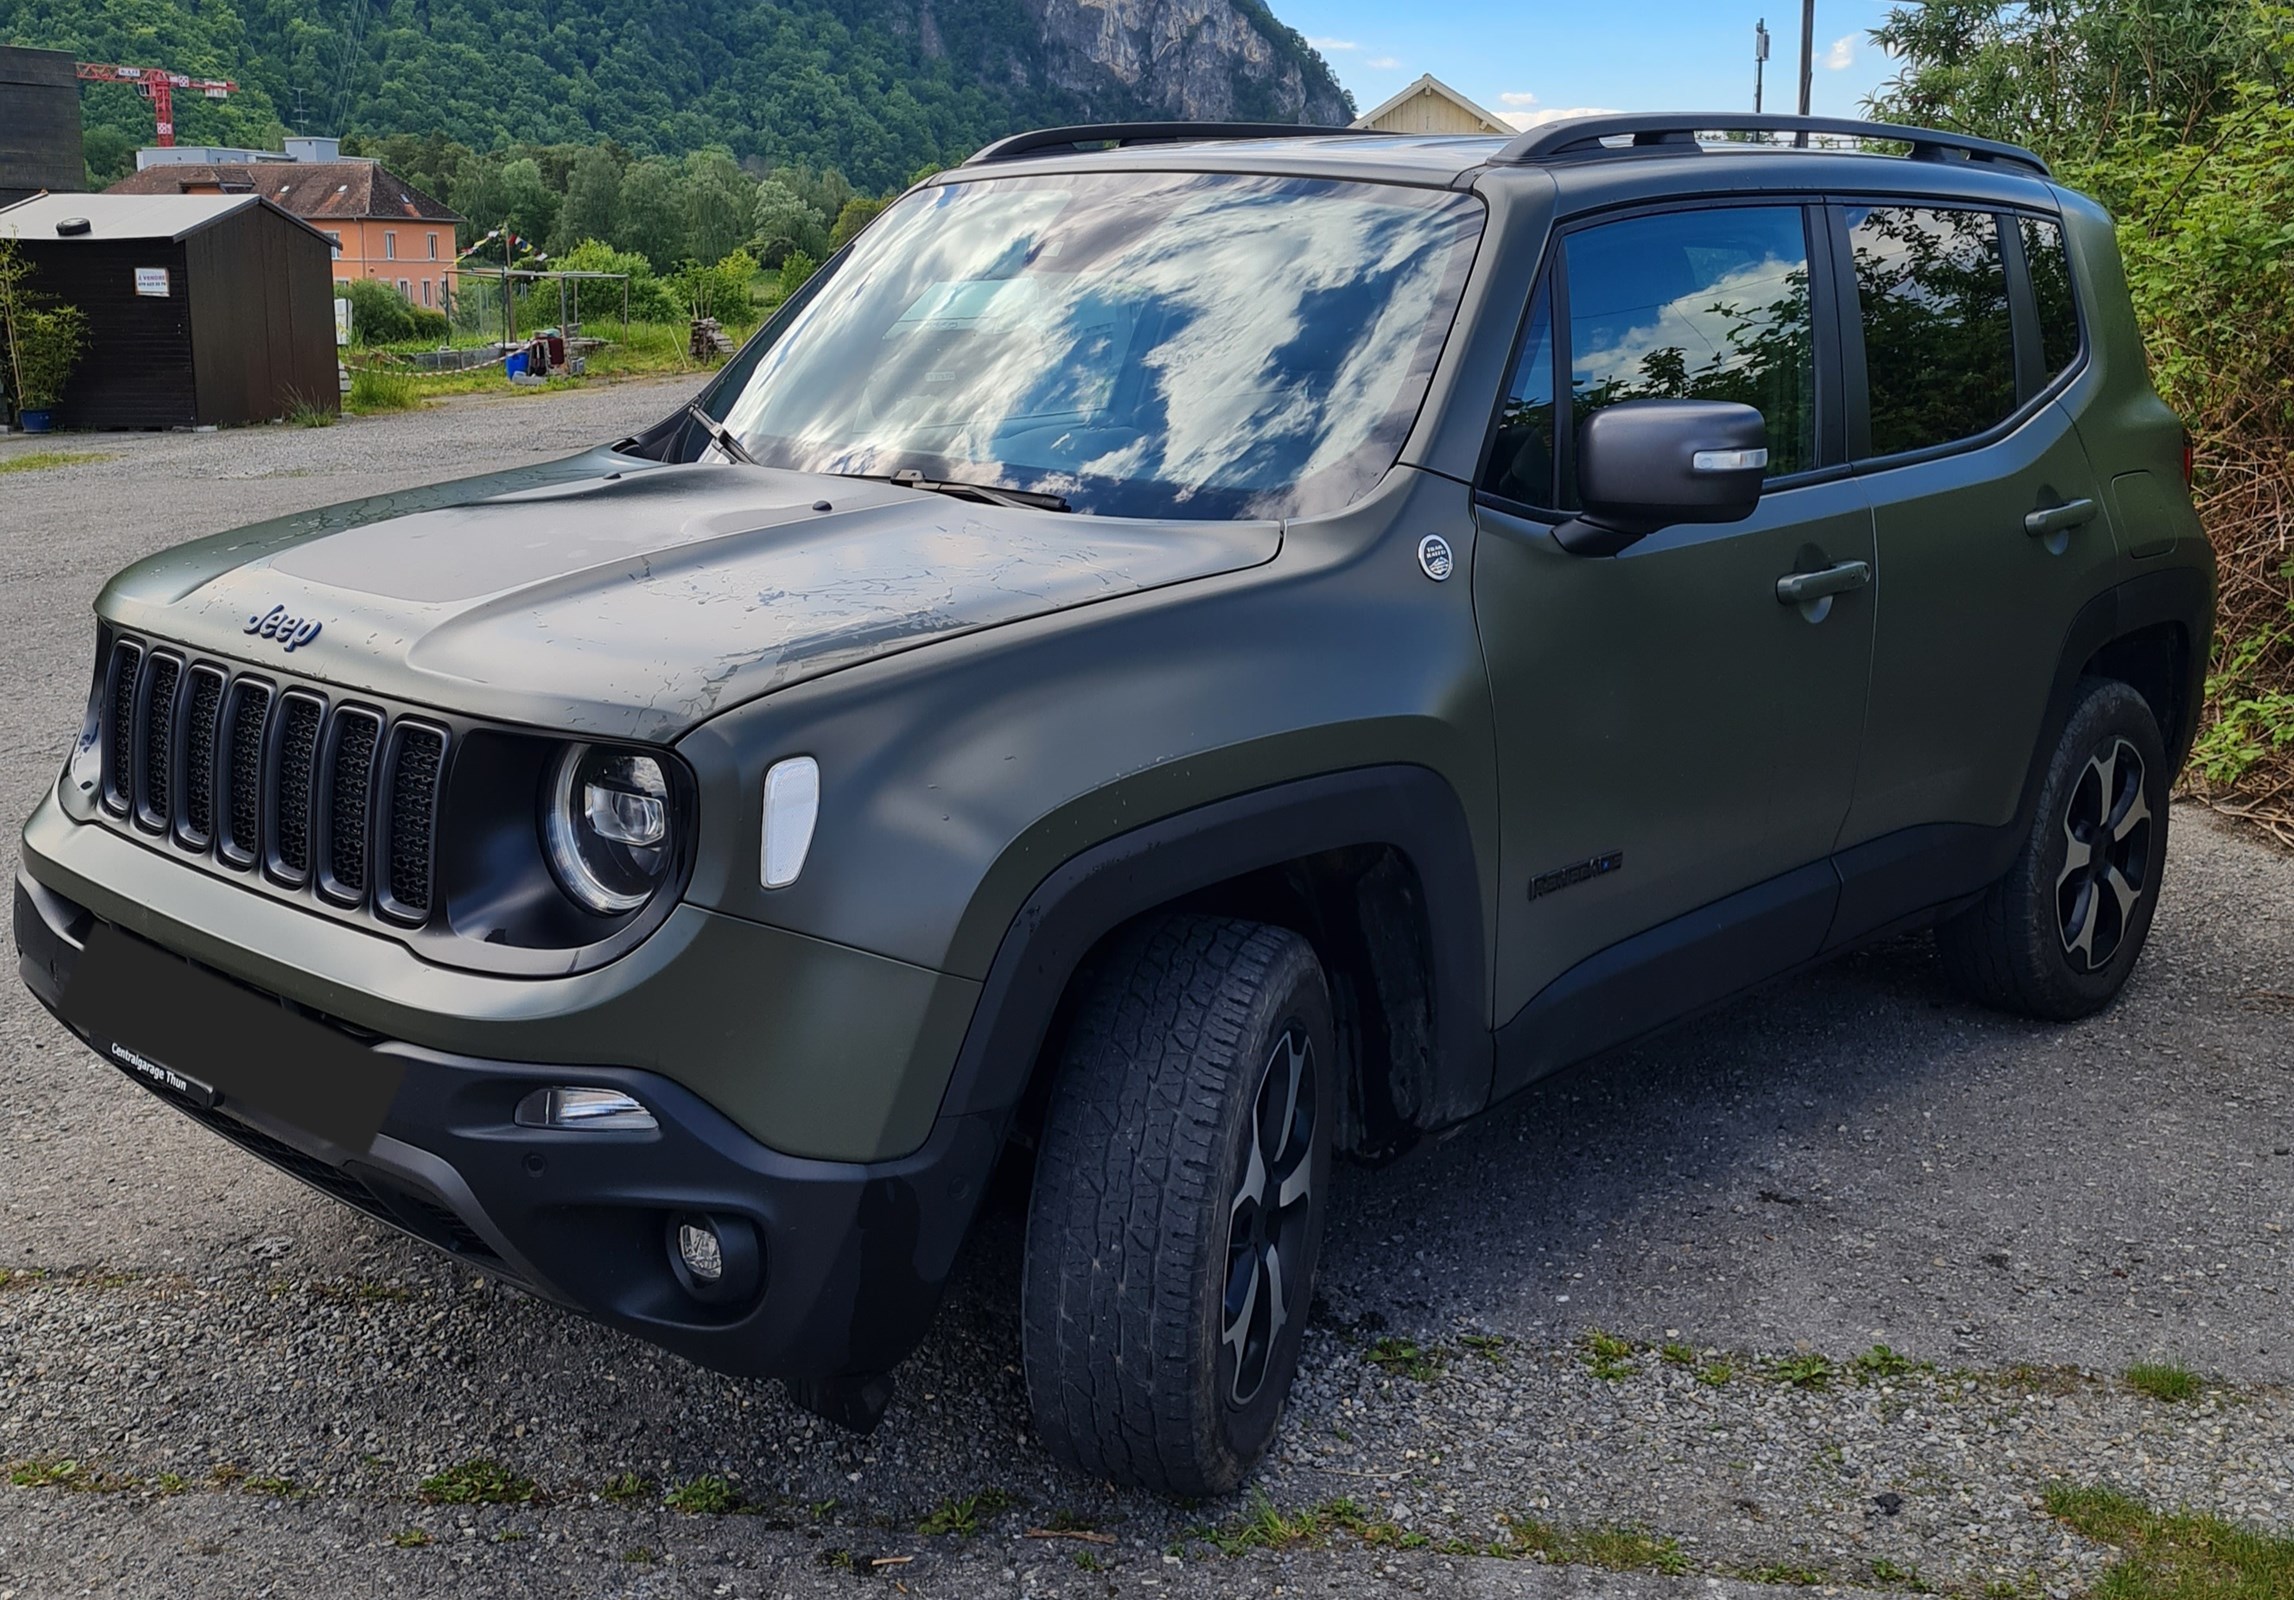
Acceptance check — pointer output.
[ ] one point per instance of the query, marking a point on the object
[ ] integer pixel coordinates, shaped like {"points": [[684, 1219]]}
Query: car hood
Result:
{"points": [[621, 598]]}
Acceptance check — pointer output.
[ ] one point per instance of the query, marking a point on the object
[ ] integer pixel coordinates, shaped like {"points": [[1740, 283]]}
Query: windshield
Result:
{"points": [[1158, 344]]}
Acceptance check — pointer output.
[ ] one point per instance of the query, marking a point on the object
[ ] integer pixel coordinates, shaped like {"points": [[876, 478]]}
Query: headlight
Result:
{"points": [[606, 825]]}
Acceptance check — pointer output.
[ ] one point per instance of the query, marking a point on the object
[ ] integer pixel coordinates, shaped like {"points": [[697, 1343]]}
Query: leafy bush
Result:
{"points": [[379, 314], [720, 290]]}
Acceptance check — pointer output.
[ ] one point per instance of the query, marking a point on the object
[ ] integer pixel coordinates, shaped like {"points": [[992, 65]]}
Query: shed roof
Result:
{"points": [[128, 216], [345, 190]]}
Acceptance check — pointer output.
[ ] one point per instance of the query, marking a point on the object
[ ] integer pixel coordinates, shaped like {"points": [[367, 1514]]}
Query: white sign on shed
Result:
{"points": [[151, 281]]}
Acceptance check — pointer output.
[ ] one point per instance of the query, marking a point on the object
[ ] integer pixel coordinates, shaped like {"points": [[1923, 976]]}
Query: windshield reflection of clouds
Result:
{"points": [[1197, 345]]}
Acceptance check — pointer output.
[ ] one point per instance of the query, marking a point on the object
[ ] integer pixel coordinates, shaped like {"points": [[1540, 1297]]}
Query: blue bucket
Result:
{"points": [[515, 366]]}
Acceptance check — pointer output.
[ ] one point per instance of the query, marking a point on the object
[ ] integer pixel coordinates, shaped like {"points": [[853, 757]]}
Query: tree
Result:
{"points": [[720, 203], [853, 216], [528, 204], [110, 155], [592, 208], [784, 223], [652, 213]]}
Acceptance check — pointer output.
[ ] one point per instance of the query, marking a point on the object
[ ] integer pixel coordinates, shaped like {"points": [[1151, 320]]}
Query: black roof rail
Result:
{"points": [[1583, 136], [1126, 133]]}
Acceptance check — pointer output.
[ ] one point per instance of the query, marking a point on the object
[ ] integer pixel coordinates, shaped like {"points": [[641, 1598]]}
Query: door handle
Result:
{"points": [[1799, 588], [2058, 519]]}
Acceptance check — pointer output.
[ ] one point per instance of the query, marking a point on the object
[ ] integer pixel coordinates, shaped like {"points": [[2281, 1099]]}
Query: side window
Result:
{"points": [[1521, 462], [2050, 266], [1698, 305], [1939, 348]]}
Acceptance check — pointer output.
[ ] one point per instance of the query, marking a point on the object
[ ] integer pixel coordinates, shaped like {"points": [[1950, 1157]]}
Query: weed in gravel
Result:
{"points": [[479, 1483], [1406, 1358], [1804, 1372], [961, 1516], [2162, 1381], [1482, 1344], [59, 1473], [1785, 1575], [2175, 1555], [1880, 1364], [1609, 1357], [627, 1489], [1611, 1548], [706, 1496], [170, 1483], [410, 1538], [1265, 1528], [1679, 1355], [21, 1277], [1087, 1561], [1898, 1576], [303, 412], [275, 1487], [1715, 1375], [638, 1555]]}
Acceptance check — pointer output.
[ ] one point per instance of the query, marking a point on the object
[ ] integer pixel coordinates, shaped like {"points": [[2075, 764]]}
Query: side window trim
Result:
{"points": [[2023, 322], [1834, 328]]}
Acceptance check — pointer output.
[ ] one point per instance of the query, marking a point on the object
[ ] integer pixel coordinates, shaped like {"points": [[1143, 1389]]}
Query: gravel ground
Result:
{"points": [[253, 1382]]}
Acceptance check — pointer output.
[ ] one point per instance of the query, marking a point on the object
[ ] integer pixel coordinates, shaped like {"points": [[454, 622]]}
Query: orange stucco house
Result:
{"points": [[381, 226]]}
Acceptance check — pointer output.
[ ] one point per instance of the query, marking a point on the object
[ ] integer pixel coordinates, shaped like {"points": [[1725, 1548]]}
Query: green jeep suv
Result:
{"points": [[1195, 649]]}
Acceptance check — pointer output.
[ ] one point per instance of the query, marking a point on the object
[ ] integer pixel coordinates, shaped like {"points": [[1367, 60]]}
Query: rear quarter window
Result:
{"points": [[1939, 344], [2049, 263]]}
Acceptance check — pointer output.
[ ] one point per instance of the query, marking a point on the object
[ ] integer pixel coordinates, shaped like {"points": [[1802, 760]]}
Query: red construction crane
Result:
{"points": [[158, 85]]}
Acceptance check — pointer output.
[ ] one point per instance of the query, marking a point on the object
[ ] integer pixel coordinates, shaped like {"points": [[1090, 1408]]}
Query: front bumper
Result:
{"points": [[854, 1254]]}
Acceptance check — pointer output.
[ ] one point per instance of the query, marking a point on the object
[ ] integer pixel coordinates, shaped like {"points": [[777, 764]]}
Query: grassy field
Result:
{"points": [[40, 460], [381, 382]]}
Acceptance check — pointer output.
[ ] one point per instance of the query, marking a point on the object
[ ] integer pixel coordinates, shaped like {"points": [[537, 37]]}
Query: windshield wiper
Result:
{"points": [[719, 435], [986, 493]]}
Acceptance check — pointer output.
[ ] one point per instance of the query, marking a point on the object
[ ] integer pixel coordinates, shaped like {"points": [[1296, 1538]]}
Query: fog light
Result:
{"points": [[567, 1107], [699, 1249], [714, 1257]]}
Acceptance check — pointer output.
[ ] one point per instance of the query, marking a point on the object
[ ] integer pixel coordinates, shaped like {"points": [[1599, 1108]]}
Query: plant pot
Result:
{"points": [[34, 421]]}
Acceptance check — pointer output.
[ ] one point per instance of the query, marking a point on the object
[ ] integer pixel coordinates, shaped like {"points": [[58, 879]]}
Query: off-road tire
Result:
{"points": [[1137, 1223], [2032, 946]]}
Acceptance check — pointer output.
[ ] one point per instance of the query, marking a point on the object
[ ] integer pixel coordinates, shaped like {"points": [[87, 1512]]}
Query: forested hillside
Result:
{"points": [[874, 88]]}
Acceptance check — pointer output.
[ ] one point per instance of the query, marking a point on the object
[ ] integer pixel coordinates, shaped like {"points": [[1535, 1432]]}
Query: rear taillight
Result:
{"points": [[2186, 458]]}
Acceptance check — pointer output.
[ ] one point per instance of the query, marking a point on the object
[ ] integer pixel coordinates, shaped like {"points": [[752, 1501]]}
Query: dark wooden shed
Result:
{"points": [[202, 309], [39, 123]]}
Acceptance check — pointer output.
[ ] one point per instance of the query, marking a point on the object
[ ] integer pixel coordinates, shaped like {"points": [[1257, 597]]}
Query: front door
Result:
{"points": [[1672, 727]]}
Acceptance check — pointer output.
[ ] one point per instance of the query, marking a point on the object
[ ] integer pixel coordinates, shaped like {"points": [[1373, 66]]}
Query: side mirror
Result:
{"points": [[1648, 464]]}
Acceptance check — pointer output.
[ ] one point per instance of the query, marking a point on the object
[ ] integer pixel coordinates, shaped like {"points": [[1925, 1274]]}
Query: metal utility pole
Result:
{"points": [[1759, 61], [1807, 61]]}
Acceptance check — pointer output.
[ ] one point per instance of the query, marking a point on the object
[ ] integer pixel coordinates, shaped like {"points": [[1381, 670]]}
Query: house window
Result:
{"points": [[390, 247], [406, 288], [434, 247], [426, 291], [335, 242]]}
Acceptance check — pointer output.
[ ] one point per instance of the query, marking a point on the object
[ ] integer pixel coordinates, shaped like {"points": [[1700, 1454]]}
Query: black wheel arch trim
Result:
{"points": [[1412, 809]]}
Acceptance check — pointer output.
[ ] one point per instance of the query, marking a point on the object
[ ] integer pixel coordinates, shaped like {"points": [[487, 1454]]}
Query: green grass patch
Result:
{"points": [[372, 389], [962, 1515], [276, 1488], [1607, 1356], [1264, 1527], [627, 1489], [2179, 1555], [41, 460], [1786, 1575], [706, 1496], [1407, 1358], [1611, 1547], [479, 1483], [410, 1538], [1715, 1375], [2162, 1381], [1482, 1344]]}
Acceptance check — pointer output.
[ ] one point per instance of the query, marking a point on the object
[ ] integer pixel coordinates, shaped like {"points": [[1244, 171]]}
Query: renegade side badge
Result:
{"points": [[1576, 872]]}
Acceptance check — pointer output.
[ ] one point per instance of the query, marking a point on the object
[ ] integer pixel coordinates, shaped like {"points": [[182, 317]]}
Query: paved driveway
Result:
{"points": [[213, 1382]]}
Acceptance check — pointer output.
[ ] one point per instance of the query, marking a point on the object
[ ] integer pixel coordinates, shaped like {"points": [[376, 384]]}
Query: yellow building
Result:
{"points": [[1431, 106]]}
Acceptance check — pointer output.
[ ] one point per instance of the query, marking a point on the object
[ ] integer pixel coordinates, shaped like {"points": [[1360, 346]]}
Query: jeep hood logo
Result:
{"points": [[291, 632]]}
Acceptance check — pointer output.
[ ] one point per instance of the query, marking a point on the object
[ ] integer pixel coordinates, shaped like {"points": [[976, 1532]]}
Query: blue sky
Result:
{"points": [[1524, 59]]}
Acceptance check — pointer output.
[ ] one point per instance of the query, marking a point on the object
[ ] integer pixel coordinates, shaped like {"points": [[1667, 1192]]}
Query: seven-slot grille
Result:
{"points": [[263, 775]]}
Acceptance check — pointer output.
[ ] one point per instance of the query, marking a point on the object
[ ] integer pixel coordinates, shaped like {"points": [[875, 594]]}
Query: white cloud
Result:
{"points": [[1842, 55], [1334, 44], [1520, 102], [1383, 64], [1538, 119]]}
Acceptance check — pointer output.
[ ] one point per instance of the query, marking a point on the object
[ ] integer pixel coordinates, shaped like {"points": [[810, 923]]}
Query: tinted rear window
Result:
{"points": [[1939, 348], [2050, 266]]}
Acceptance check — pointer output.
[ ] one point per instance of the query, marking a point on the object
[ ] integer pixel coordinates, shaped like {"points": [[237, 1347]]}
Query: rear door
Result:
{"points": [[1670, 732], [1989, 525]]}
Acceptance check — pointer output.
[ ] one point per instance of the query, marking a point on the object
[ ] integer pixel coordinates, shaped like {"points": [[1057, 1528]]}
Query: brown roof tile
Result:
{"points": [[308, 189]]}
